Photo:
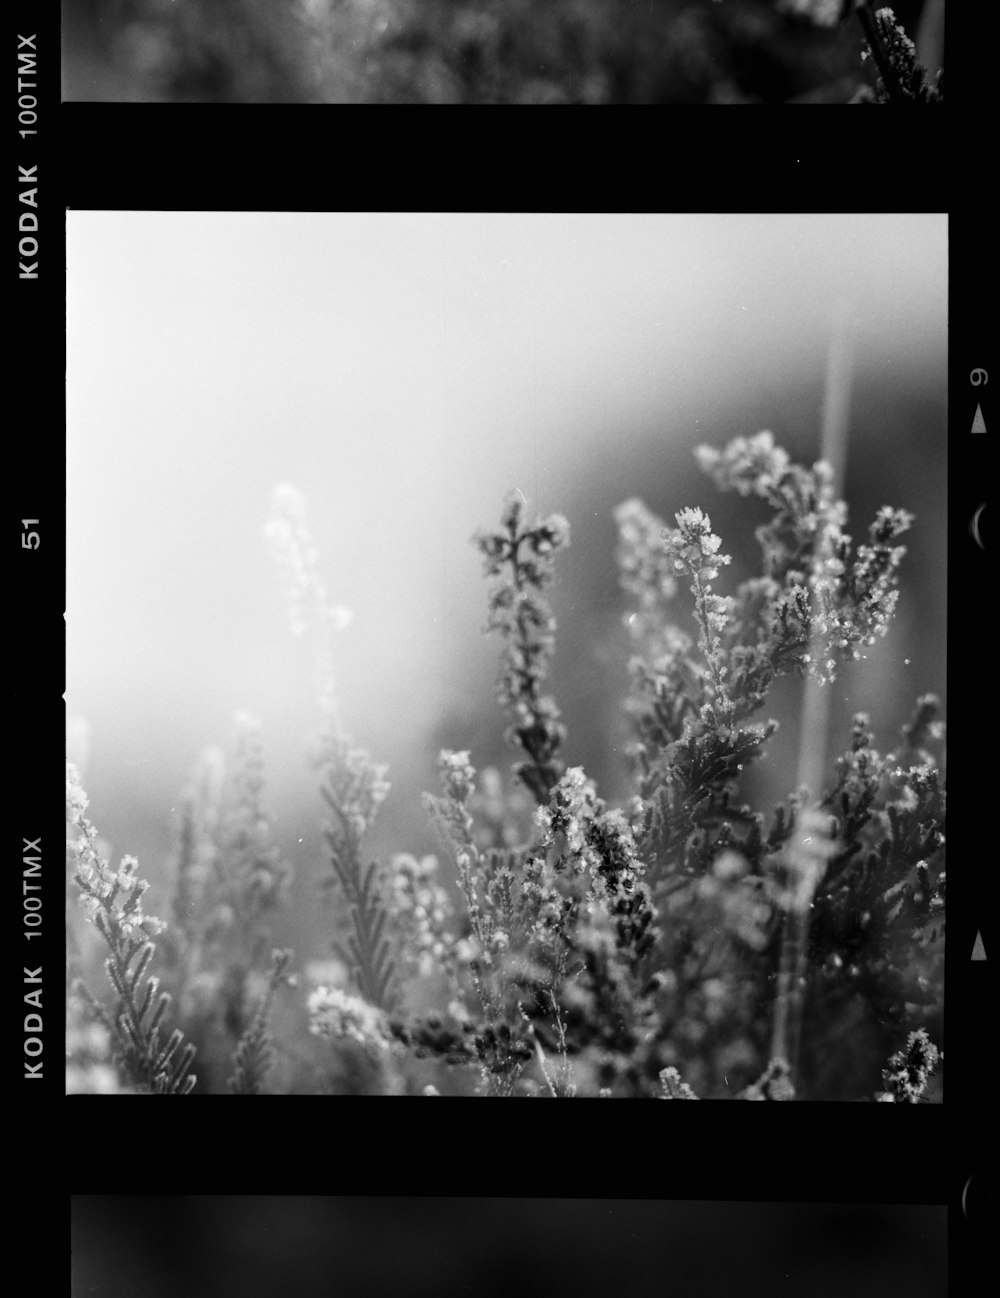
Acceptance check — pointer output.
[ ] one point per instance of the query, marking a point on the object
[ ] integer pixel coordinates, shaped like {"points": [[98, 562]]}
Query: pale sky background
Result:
{"points": [[405, 372]]}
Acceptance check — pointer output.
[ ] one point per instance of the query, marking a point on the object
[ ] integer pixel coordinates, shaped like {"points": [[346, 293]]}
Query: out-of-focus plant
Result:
{"points": [[493, 51]]}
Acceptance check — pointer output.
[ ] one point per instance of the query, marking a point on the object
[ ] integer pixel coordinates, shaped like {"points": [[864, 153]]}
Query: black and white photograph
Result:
{"points": [[270, 1246], [506, 655], [503, 51]]}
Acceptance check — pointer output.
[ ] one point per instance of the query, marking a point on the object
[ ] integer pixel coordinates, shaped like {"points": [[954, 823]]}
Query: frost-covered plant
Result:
{"points": [[519, 557], [901, 79], [335, 1013], [559, 946], [229, 879], [621, 943], [910, 1070], [112, 902], [672, 1086]]}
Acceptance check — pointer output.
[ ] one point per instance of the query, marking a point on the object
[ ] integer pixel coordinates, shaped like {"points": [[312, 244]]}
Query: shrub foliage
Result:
{"points": [[568, 947]]}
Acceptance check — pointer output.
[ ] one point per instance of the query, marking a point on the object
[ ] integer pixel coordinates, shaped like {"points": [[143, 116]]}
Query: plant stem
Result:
{"points": [[886, 70]]}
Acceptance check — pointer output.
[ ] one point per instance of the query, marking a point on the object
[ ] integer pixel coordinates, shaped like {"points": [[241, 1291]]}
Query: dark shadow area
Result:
{"points": [[309, 1247]]}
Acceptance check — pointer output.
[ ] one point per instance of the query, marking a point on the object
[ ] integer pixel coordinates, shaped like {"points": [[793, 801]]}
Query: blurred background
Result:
{"points": [[472, 51], [265, 1246], [406, 372]]}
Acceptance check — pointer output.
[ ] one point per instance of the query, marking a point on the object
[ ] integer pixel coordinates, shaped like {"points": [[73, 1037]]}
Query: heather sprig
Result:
{"points": [[672, 1086], [337, 1015], [247, 877], [497, 922], [255, 1052], [802, 499], [879, 910], [909, 1071], [819, 601], [423, 911], [519, 556], [363, 1039], [482, 888], [693, 549], [112, 902], [353, 785], [552, 927], [582, 836], [901, 80], [616, 944], [558, 1077], [353, 789]]}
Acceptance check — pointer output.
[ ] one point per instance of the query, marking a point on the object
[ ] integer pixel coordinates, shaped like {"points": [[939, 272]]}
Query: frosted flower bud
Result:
{"points": [[76, 800], [336, 1014]]}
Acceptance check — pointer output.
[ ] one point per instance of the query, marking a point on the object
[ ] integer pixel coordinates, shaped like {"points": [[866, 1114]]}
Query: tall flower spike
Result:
{"points": [[520, 557], [693, 549], [310, 611], [354, 786]]}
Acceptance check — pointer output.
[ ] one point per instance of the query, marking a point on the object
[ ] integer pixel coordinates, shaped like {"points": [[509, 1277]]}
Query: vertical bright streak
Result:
{"points": [[809, 846]]}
